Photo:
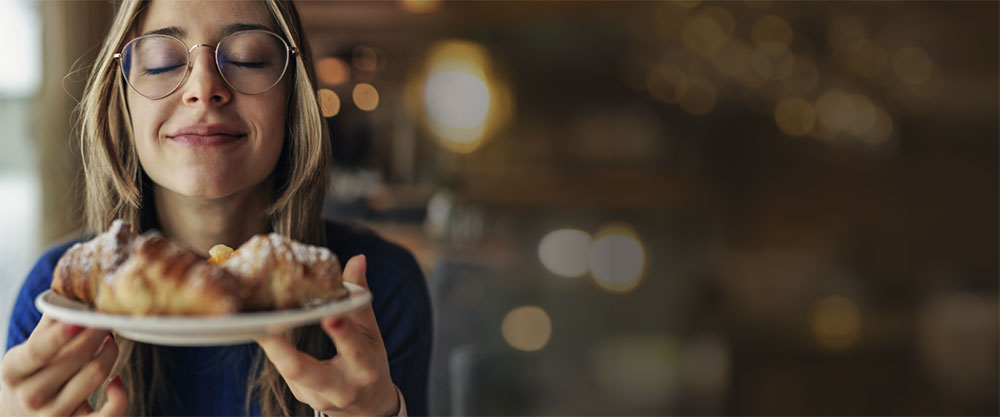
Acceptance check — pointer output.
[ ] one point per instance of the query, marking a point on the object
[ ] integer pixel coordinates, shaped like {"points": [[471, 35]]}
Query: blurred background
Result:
{"points": [[672, 207]]}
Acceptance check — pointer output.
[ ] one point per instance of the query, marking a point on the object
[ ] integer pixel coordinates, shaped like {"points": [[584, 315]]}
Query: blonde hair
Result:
{"points": [[115, 187]]}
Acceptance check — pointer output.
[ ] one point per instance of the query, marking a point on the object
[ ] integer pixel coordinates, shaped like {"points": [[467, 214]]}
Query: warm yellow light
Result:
{"points": [[420, 6], [772, 60], [835, 110], [617, 259], [770, 28], [734, 58], [565, 252], [527, 328], [803, 78], [329, 102], [461, 101], [365, 96], [866, 57], [912, 65], [795, 116], [865, 115], [836, 323], [696, 96], [845, 31], [332, 71], [881, 130], [704, 35]]}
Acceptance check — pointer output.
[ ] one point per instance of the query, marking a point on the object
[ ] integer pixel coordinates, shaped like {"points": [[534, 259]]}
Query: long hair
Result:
{"points": [[116, 187]]}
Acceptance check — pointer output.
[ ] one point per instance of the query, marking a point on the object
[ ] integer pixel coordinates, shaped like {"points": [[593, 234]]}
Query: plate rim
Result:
{"points": [[357, 297]]}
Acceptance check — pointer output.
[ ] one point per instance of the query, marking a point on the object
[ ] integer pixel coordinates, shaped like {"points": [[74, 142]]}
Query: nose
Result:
{"points": [[205, 85]]}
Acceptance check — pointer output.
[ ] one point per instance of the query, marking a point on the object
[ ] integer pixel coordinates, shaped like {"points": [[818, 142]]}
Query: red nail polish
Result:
{"points": [[73, 329], [116, 382], [336, 323]]}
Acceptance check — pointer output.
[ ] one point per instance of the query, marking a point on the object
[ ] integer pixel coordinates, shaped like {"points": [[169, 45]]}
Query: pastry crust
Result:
{"points": [[121, 273]]}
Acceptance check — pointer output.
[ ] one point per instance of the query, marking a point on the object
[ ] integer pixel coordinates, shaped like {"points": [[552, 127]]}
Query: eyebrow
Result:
{"points": [[226, 30]]}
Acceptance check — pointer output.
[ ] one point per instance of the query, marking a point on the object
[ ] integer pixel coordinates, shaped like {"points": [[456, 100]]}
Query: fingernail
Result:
{"points": [[116, 381], [73, 329], [336, 323]]}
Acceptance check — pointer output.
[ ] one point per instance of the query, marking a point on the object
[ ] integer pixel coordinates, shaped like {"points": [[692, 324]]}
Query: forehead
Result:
{"points": [[205, 20]]}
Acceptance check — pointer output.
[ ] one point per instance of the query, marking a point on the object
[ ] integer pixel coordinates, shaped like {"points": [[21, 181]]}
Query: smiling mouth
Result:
{"points": [[218, 139]]}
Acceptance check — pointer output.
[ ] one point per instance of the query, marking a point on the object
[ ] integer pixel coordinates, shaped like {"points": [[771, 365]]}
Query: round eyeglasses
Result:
{"points": [[251, 62]]}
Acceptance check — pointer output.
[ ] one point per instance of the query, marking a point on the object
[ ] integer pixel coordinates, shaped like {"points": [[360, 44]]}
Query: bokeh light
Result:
{"points": [[703, 34], [865, 115], [836, 323], [663, 82], [912, 65], [365, 96], [867, 58], [795, 116], [527, 328], [734, 58], [803, 78], [844, 31], [460, 98], [772, 60], [770, 28], [881, 130], [835, 110], [332, 71], [420, 6], [329, 102], [617, 258], [565, 252]]}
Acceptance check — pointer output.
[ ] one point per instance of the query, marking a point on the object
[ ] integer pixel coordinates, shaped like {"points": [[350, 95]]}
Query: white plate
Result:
{"points": [[202, 330]]}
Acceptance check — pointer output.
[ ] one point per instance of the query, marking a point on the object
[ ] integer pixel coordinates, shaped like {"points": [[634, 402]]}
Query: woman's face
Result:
{"points": [[206, 140]]}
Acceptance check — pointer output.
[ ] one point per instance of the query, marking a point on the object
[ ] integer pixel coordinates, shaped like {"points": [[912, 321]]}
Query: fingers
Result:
{"points": [[354, 271], [40, 348], [42, 386], [295, 365], [116, 402], [89, 378]]}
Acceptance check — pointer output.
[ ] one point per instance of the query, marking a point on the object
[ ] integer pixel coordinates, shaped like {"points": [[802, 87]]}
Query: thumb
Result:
{"points": [[354, 271]]}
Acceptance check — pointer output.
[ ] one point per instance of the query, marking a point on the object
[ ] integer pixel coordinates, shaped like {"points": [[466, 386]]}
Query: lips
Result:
{"points": [[207, 135]]}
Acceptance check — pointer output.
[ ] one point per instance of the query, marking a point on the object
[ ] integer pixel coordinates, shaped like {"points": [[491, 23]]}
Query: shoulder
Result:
{"points": [[40, 277]]}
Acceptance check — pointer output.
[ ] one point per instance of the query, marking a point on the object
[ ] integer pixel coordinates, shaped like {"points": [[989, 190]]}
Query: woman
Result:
{"points": [[200, 120]]}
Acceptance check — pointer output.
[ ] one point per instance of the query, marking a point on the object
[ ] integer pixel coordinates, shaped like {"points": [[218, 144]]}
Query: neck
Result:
{"points": [[199, 223]]}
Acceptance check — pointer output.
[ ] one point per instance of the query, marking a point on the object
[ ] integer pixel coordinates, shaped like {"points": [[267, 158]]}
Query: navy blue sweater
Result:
{"points": [[213, 380]]}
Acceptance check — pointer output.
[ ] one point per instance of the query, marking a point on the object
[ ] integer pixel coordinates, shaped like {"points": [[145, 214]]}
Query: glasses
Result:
{"points": [[251, 62]]}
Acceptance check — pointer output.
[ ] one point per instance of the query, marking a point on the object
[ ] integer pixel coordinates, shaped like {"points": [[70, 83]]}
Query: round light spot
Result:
{"points": [[835, 110], [457, 99], [795, 116], [332, 71], [703, 35], [329, 102], [912, 66], [865, 115], [772, 28], [803, 78], [845, 31], [365, 96], [734, 58], [772, 60], [836, 323], [565, 252], [617, 259], [527, 328], [866, 57]]}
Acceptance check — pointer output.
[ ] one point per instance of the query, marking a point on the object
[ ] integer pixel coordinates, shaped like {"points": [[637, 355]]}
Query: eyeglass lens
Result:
{"points": [[251, 62]]}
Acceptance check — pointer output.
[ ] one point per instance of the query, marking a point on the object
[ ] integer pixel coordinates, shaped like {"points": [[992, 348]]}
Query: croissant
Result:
{"points": [[284, 273], [121, 273]]}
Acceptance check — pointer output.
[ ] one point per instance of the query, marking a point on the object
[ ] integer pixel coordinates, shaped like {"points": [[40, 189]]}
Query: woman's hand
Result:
{"points": [[354, 382], [56, 369]]}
